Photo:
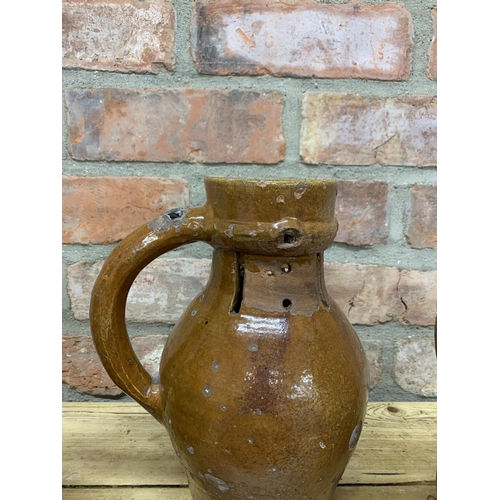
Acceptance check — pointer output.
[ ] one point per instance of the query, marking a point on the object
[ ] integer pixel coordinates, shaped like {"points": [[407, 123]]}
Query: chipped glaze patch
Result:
{"points": [[222, 485], [355, 436], [174, 217], [300, 190]]}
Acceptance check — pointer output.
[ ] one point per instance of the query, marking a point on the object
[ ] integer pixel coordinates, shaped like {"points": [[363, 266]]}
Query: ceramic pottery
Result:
{"points": [[263, 382]]}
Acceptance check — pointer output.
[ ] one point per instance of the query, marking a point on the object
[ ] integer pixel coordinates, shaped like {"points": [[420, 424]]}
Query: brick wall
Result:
{"points": [[160, 94]]}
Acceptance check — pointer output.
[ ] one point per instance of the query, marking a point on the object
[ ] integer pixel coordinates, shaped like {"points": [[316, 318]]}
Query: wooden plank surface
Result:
{"points": [[399, 492], [120, 444]]}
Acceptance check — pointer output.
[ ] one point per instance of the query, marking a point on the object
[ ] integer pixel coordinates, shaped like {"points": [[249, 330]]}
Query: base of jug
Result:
{"points": [[230, 491]]}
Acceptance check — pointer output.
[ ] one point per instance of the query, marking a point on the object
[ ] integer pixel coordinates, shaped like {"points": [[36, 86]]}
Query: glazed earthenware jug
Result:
{"points": [[263, 383]]}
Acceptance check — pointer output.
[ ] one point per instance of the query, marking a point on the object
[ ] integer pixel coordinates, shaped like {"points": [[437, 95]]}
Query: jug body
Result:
{"points": [[266, 402], [263, 382]]}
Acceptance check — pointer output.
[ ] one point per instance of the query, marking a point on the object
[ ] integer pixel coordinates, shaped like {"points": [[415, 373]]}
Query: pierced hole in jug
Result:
{"points": [[287, 303], [175, 213], [286, 268], [289, 238]]}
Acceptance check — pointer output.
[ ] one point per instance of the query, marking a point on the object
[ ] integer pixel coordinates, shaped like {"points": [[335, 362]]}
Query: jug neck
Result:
{"points": [[263, 284], [273, 217]]}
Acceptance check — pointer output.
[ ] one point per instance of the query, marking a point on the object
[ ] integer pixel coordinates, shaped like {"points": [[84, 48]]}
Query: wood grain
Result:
{"points": [[119, 444], [399, 492]]}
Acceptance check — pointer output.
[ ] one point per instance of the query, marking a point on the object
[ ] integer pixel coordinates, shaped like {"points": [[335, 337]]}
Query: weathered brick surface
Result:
{"points": [[82, 369], [367, 294], [302, 38], [160, 293], [421, 214], [106, 209], [432, 53], [118, 35], [373, 351], [83, 372], [348, 129], [418, 290], [170, 125], [415, 366], [363, 212]]}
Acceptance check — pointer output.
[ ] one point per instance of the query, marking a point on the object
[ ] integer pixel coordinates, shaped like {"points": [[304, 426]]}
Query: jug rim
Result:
{"points": [[273, 181]]}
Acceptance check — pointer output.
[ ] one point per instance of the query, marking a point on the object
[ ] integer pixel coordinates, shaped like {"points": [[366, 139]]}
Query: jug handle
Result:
{"points": [[109, 297]]}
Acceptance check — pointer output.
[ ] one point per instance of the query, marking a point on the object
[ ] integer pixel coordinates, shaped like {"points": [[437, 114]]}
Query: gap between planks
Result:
{"points": [[120, 444], [399, 492]]}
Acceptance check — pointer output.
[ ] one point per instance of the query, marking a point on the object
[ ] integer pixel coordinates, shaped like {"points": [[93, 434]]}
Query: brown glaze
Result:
{"points": [[263, 382]]}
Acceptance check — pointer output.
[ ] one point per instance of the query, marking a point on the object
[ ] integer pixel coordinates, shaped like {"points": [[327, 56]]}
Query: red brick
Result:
{"points": [[418, 291], [348, 129], [302, 38], [106, 209], [172, 125], [415, 366], [421, 230], [160, 293], [118, 35], [363, 211], [367, 294], [378, 294], [82, 369], [432, 52], [373, 351]]}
